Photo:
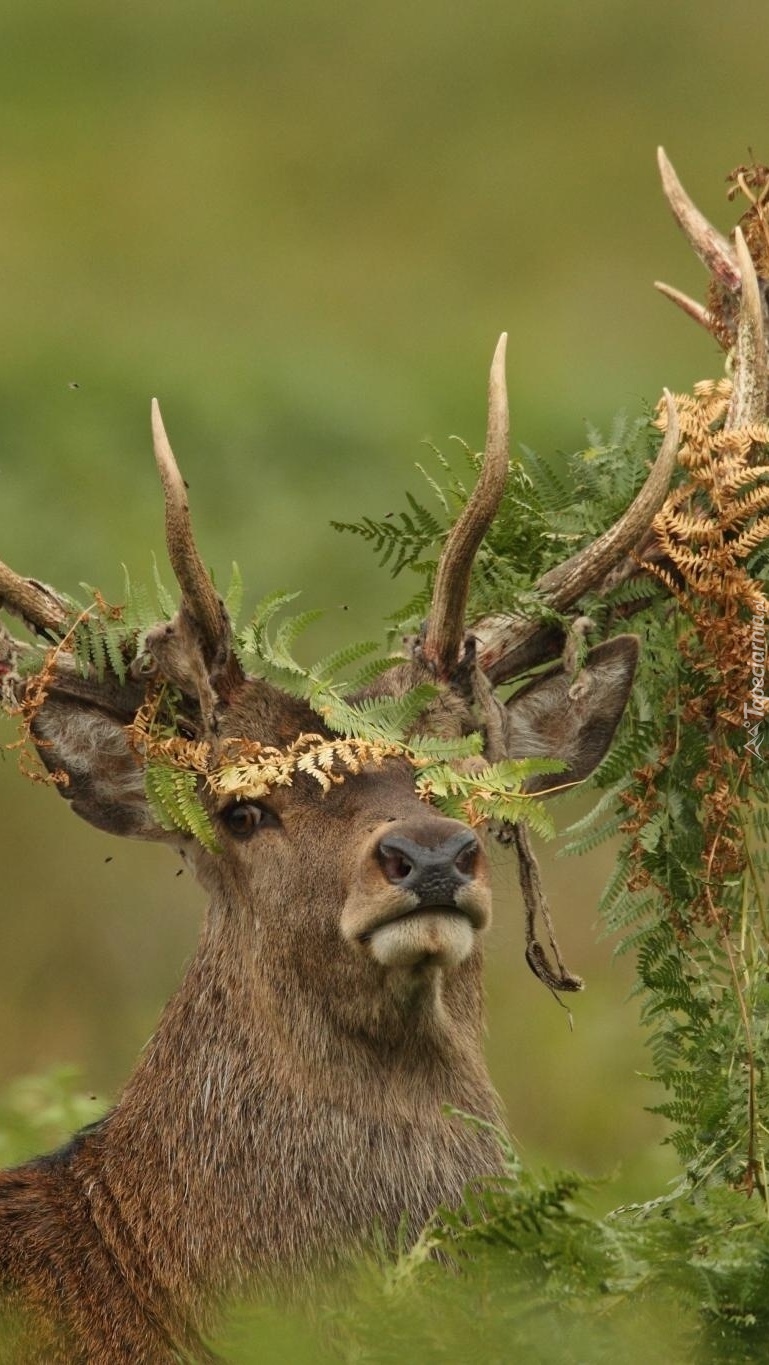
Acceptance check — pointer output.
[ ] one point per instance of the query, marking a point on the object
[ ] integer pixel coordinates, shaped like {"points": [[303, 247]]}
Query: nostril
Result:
{"points": [[466, 860], [434, 873], [395, 865]]}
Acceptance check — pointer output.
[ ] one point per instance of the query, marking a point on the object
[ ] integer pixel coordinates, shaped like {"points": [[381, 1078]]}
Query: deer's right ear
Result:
{"points": [[80, 732]]}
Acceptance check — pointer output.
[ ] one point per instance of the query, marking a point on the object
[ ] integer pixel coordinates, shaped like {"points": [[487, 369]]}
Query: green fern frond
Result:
{"points": [[118, 649], [398, 542], [100, 641], [278, 653], [165, 600], [412, 613], [594, 837], [494, 793], [98, 650], [250, 643], [368, 674], [233, 598], [431, 749], [439, 492], [139, 611], [107, 639], [332, 665], [385, 720], [175, 802]]}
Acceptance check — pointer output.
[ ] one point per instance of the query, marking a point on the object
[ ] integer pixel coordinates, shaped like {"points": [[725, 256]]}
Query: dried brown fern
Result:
{"points": [[706, 530]]}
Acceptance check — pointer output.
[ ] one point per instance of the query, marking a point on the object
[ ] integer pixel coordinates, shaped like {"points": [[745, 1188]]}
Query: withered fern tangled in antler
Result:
{"points": [[690, 889], [707, 531]]}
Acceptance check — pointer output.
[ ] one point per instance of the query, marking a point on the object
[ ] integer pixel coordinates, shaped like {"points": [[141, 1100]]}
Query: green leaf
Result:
{"points": [[175, 802]]}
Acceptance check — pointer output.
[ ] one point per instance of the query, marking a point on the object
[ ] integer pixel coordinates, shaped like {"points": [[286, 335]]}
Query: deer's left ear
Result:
{"points": [[80, 731], [572, 718]]}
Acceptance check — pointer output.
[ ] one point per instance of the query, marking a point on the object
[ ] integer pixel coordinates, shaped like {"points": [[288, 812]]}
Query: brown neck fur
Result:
{"points": [[263, 1131]]}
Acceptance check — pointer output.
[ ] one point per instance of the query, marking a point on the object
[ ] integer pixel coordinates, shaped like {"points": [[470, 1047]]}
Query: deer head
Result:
{"points": [[380, 878], [293, 1091]]}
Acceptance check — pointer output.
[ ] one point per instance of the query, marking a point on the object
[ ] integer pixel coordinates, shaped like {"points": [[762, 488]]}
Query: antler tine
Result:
{"points": [[751, 386], [565, 584], [37, 606], [507, 644], [712, 248], [446, 624], [697, 311], [198, 592]]}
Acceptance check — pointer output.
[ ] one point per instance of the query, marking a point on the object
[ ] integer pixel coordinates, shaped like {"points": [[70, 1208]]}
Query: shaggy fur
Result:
{"points": [[292, 1096]]}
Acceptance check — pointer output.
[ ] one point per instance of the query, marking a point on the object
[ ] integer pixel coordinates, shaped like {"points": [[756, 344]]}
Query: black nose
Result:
{"points": [[433, 874]]}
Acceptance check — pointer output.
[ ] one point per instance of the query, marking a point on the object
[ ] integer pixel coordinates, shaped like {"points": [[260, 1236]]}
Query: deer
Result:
{"points": [[311, 1078]]}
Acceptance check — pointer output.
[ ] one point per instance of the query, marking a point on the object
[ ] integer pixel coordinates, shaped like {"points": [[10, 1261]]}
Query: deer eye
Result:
{"points": [[244, 818]]}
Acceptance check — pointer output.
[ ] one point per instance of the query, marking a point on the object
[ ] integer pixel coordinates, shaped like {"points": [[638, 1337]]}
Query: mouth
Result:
{"points": [[412, 915], [439, 935], [466, 906]]}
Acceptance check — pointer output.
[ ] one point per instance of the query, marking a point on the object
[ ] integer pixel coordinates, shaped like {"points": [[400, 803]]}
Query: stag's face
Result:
{"points": [[361, 889], [361, 882]]}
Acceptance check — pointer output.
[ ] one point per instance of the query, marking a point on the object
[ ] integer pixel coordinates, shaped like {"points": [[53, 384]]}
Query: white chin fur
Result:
{"points": [[436, 936]]}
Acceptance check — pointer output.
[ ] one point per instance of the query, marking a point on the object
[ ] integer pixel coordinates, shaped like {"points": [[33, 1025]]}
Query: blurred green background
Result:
{"points": [[303, 226]]}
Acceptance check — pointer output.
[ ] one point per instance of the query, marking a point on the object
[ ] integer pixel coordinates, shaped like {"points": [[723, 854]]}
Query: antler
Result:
{"points": [[199, 595], [195, 650], [212, 668], [562, 586], [445, 627], [38, 606], [710, 245], [45, 613], [508, 644], [739, 302], [696, 311], [749, 394]]}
